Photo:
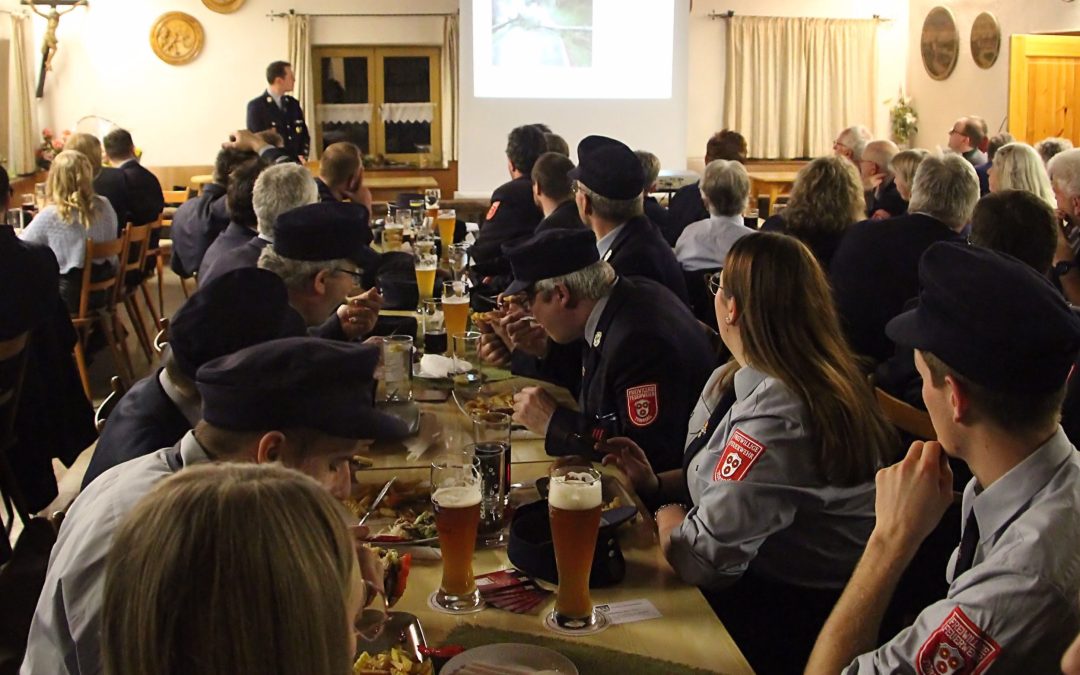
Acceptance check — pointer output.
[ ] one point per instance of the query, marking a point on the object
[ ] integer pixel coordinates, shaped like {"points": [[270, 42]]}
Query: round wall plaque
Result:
{"points": [[985, 40], [940, 43], [176, 38], [223, 6]]}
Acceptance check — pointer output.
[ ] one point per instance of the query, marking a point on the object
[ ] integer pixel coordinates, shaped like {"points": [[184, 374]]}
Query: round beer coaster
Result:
{"points": [[600, 624], [472, 610]]}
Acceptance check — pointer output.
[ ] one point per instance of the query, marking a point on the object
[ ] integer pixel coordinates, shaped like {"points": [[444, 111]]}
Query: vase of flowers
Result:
{"points": [[903, 119], [50, 145]]}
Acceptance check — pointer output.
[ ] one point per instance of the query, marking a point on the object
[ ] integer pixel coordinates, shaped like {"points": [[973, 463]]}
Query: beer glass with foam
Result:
{"points": [[574, 503], [455, 494], [455, 300]]}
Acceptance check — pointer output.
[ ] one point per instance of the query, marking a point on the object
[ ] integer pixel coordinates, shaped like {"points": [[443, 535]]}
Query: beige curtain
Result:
{"points": [[300, 58], [450, 55], [22, 139], [793, 83]]}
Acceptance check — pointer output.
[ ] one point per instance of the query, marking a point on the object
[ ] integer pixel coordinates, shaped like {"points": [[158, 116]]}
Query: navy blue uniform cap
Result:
{"points": [[323, 231], [547, 254], [609, 168], [300, 382], [236, 310], [992, 319]]}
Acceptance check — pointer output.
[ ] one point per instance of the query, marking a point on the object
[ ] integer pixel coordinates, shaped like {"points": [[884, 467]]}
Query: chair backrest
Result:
{"points": [[161, 340], [106, 249], [175, 197], [101, 415], [906, 417], [702, 303], [156, 226], [133, 257]]}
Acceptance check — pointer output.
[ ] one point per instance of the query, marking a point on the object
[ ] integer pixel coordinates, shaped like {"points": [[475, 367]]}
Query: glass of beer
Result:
{"points": [[455, 299], [425, 262], [459, 260], [434, 325], [574, 503], [455, 494], [431, 202], [446, 221]]}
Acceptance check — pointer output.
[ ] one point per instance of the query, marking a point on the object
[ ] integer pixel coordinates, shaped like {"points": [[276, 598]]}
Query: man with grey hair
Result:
{"points": [[725, 189], [319, 252], [875, 269], [654, 211], [278, 189], [640, 377], [1064, 170], [850, 143], [965, 138], [883, 199], [608, 184]]}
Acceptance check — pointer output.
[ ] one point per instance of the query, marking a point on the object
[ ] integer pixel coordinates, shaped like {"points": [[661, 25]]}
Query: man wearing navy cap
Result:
{"points": [[238, 309], [304, 402], [320, 252], [994, 343], [640, 378], [608, 180]]}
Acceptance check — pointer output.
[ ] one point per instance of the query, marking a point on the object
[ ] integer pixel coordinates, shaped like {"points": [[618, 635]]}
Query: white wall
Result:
{"points": [[970, 90], [707, 38], [655, 125], [179, 115]]}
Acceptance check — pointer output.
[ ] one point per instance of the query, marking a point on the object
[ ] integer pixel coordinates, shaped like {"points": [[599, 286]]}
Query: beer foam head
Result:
{"points": [[426, 266], [455, 300], [575, 492], [457, 497]]}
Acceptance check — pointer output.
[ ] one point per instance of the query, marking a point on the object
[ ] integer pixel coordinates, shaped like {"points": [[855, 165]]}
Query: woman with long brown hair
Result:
{"points": [[74, 213], [825, 200], [232, 568], [776, 498]]}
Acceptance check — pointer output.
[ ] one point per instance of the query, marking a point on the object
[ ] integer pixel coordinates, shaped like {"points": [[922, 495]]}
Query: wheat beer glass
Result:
{"points": [[455, 302], [425, 262], [455, 494], [574, 503], [446, 221]]}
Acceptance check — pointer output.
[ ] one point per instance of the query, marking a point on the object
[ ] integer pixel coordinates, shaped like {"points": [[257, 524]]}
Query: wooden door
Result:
{"points": [[1044, 87]]}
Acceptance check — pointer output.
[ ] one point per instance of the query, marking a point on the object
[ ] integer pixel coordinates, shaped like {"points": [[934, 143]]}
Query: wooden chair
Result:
{"points": [[104, 317], [163, 251], [906, 417], [161, 340], [132, 265], [13, 355], [101, 415]]}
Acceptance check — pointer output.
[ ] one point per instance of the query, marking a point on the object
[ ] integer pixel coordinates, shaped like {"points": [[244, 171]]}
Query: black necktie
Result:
{"points": [[968, 543]]}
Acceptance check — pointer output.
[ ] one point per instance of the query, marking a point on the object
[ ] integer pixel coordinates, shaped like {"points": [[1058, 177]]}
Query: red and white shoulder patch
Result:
{"points": [[643, 404], [491, 211], [957, 647], [739, 455]]}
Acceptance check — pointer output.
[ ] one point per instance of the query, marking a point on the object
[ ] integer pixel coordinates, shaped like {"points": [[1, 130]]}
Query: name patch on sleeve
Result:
{"points": [[957, 647], [643, 404], [739, 455]]}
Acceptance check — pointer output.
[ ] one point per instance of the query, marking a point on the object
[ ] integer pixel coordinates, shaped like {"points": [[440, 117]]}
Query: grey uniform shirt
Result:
{"points": [[1016, 608], [704, 245], [65, 633], [759, 499]]}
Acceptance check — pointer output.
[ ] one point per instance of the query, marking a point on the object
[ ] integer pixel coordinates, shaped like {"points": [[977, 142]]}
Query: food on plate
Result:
{"points": [[482, 319], [395, 573], [503, 403], [422, 526], [394, 662], [484, 668], [407, 505], [615, 503]]}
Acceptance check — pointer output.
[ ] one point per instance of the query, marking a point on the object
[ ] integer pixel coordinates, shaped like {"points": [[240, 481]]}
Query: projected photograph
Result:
{"points": [[556, 33]]}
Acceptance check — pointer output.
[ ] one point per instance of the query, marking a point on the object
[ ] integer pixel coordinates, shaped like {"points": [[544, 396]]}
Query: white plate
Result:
{"points": [[511, 654]]}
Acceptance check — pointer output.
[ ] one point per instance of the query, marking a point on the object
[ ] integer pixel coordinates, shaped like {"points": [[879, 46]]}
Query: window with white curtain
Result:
{"points": [[793, 83]]}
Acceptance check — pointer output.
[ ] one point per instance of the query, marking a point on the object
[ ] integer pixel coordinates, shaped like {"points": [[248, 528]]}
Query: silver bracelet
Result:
{"points": [[656, 513]]}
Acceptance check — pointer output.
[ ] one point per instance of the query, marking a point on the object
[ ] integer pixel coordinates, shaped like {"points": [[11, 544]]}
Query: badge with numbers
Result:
{"points": [[957, 647], [739, 455]]}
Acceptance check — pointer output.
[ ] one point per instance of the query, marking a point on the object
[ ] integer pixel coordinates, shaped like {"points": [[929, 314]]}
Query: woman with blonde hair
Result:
{"points": [[232, 568], [904, 164], [108, 181], [826, 199], [1017, 166], [775, 502], [74, 213]]}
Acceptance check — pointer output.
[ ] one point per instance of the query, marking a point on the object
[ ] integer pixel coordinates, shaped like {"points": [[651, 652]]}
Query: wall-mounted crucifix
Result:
{"points": [[50, 43]]}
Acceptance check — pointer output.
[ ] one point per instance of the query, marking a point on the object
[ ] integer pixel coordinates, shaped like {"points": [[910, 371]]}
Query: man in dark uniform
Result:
{"points": [[641, 377], [654, 211], [609, 200], [276, 110], [237, 310], [242, 219], [198, 222], [553, 194], [513, 215], [686, 206], [145, 199]]}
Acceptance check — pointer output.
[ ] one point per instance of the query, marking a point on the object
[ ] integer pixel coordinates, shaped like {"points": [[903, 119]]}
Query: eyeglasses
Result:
{"points": [[574, 187], [713, 283], [357, 276]]}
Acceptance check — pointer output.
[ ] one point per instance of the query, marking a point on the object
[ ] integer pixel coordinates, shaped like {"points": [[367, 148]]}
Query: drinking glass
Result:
{"points": [[465, 347], [431, 202], [574, 503], [494, 427], [425, 262], [446, 220], [493, 465], [456, 496], [39, 195], [397, 368], [459, 260], [455, 300], [434, 326]]}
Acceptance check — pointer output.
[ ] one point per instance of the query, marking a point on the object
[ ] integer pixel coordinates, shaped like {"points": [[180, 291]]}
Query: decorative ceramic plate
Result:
{"points": [[940, 43], [224, 6], [176, 38], [985, 40]]}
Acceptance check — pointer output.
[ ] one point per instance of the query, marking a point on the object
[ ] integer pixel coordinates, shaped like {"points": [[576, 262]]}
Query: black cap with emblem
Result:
{"points": [[548, 254], [609, 168], [324, 231]]}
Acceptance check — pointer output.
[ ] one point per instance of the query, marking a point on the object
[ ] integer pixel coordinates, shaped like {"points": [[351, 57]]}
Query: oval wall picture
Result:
{"points": [[940, 43]]}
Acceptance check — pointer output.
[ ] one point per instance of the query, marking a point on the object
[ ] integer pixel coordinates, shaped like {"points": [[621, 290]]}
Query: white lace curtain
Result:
{"points": [[793, 83]]}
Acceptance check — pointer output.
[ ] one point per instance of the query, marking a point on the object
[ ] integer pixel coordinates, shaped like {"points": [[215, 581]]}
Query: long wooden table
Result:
{"points": [[688, 631]]}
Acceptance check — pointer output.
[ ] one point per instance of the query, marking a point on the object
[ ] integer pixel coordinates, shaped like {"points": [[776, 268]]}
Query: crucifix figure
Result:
{"points": [[49, 43]]}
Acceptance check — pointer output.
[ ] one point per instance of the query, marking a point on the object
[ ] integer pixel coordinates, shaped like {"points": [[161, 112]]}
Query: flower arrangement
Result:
{"points": [[903, 118], [50, 145]]}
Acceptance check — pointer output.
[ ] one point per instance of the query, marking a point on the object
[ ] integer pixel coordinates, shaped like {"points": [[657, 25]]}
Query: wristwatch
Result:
{"points": [[1062, 267]]}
